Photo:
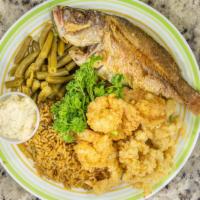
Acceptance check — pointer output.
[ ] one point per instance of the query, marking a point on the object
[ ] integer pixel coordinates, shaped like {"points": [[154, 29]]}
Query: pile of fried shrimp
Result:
{"points": [[130, 140]]}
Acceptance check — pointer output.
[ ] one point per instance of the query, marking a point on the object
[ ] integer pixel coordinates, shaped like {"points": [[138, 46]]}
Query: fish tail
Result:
{"points": [[194, 103], [189, 96]]}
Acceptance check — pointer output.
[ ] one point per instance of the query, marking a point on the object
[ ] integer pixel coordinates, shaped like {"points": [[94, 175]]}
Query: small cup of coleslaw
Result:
{"points": [[19, 117]]}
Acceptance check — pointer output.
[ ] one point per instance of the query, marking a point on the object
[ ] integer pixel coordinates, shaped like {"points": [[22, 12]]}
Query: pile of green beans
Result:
{"points": [[42, 67]]}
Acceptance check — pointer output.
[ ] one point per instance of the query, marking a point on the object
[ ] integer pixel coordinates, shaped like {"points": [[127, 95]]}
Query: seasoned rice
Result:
{"points": [[55, 159]]}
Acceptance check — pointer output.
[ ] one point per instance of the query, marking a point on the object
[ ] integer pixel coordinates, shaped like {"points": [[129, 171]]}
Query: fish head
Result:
{"points": [[77, 26]]}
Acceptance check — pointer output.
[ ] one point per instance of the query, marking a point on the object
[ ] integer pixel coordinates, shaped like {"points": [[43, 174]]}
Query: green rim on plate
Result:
{"points": [[178, 40]]}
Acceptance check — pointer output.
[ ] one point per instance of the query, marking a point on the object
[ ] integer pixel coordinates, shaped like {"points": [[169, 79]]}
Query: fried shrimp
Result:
{"points": [[112, 116], [154, 110], [106, 184], [96, 151], [105, 114], [144, 164], [152, 107]]}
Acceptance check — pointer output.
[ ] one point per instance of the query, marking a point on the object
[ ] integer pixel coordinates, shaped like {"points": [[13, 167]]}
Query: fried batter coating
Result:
{"points": [[148, 154], [105, 114], [144, 165], [112, 116], [154, 110], [95, 150]]}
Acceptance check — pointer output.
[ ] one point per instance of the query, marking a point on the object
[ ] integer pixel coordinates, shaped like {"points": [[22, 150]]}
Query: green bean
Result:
{"points": [[44, 68], [38, 63], [13, 89], [41, 75], [30, 49], [35, 85], [45, 92], [58, 80], [29, 81], [49, 62], [70, 66], [55, 90], [53, 57], [65, 41], [35, 46], [25, 63], [64, 60], [61, 92], [61, 47], [26, 54], [44, 51], [13, 70], [23, 49], [35, 96], [26, 90], [29, 70], [60, 72], [67, 47], [56, 87], [44, 33], [52, 96], [27, 73], [14, 83], [43, 84]]}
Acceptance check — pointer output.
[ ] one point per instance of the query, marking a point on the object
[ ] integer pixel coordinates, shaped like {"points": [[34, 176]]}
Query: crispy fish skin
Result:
{"points": [[125, 49]]}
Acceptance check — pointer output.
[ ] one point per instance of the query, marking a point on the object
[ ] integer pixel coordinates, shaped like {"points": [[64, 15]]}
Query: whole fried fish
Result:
{"points": [[125, 49]]}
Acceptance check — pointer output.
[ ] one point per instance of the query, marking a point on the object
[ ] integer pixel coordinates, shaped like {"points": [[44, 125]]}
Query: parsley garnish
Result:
{"points": [[70, 113]]}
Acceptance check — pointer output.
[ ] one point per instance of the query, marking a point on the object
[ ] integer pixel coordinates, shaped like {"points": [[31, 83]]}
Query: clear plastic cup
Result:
{"points": [[30, 135]]}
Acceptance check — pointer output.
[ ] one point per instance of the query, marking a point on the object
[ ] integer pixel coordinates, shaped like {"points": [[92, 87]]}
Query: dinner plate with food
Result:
{"points": [[99, 100]]}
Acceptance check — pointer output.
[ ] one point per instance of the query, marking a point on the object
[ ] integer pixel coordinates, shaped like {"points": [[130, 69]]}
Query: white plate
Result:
{"points": [[21, 169]]}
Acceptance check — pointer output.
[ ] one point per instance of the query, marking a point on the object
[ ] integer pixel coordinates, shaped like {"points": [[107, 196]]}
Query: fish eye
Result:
{"points": [[80, 17], [66, 14]]}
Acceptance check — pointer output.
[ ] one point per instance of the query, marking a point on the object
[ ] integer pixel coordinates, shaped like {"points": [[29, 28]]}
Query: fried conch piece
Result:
{"points": [[96, 151], [112, 116], [154, 110], [144, 165]]}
